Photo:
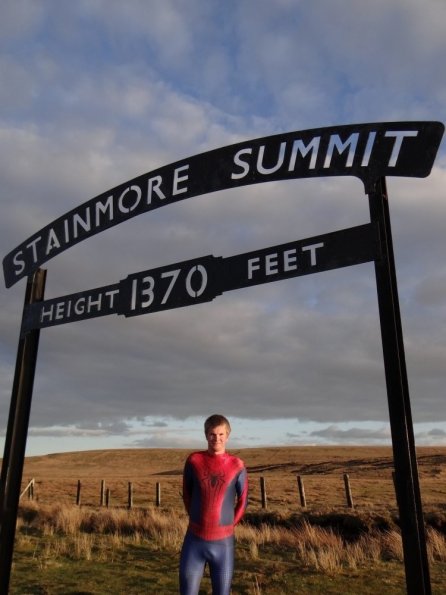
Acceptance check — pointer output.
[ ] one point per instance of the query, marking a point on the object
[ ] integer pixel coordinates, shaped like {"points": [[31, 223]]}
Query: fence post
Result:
{"points": [[130, 498], [107, 497], [102, 498], [78, 493], [263, 492], [348, 492], [28, 490], [300, 485], [158, 494], [31, 490]]}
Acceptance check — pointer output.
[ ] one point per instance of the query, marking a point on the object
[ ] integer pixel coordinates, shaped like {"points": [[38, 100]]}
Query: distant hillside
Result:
{"points": [[307, 460]]}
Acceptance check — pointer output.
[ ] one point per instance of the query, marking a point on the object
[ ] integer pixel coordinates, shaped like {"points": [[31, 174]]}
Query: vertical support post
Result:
{"points": [[17, 430], [102, 496], [158, 494], [403, 441], [130, 496], [300, 485], [78, 493], [263, 492], [348, 491]]}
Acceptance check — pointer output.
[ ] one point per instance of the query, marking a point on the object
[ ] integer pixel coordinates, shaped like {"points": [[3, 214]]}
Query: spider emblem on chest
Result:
{"points": [[214, 480]]}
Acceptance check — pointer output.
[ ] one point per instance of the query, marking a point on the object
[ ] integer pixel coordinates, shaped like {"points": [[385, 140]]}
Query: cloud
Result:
{"points": [[165, 441], [98, 429], [22, 18], [437, 432], [433, 437], [333, 434]]}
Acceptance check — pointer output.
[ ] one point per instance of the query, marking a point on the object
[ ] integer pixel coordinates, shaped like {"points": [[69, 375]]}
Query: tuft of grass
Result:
{"points": [[80, 534]]}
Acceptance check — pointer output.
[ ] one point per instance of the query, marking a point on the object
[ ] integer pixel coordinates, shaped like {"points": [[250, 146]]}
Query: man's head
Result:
{"points": [[217, 430]]}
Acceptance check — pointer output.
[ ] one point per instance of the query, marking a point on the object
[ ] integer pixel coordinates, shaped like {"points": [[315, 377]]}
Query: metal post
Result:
{"points": [[13, 404], [18, 421], [403, 441]]}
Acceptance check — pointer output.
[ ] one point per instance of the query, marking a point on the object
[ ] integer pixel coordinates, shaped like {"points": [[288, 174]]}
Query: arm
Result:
{"points": [[187, 485], [241, 488]]}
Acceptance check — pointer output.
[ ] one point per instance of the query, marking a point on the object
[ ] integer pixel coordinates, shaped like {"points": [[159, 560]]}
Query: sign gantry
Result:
{"points": [[370, 152]]}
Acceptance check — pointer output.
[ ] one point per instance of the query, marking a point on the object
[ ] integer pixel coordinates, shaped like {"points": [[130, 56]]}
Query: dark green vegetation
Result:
{"points": [[136, 569]]}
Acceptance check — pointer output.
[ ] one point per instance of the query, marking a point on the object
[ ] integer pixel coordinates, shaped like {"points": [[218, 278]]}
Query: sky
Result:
{"points": [[97, 92]]}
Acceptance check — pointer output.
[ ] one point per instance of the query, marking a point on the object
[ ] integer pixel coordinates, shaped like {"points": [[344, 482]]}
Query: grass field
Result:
{"points": [[322, 468], [323, 548]]}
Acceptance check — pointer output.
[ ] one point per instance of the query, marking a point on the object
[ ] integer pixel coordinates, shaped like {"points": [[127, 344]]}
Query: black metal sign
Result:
{"points": [[367, 151], [202, 279]]}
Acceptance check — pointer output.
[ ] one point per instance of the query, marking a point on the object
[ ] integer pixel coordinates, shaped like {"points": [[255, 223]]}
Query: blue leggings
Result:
{"points": [[194, 555]]}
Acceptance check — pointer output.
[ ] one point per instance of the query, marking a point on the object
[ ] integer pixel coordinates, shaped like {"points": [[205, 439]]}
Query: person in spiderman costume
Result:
{"points": [[215, 495]]}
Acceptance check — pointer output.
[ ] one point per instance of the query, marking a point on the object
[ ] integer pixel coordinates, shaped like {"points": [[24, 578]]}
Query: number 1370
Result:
{"points": [[147, 290]]}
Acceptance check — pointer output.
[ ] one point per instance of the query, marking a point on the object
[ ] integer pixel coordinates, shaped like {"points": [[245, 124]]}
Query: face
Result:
{"points": [[217, 438]]}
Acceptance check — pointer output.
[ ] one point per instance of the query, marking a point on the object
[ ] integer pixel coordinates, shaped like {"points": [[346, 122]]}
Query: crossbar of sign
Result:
{"points": [[202, 279]]}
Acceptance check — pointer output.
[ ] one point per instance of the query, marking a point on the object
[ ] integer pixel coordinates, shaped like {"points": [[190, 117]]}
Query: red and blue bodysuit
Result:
{"points": [[215, 494]]}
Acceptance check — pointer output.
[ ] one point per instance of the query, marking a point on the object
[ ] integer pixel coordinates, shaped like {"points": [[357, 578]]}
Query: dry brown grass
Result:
{"points": [[369, 468], [82, 534]]}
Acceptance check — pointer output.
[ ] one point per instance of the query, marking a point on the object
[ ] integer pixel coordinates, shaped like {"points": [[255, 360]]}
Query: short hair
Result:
{"points": [[216, 420]]}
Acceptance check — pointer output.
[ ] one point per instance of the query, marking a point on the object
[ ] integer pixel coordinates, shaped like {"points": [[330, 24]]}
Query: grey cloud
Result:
{"points": [[160, 441], [309, 55], [437, 432], [334, 434], [21, 18], [434, 437], [430, 292], [158, 424], [93, 430]]}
